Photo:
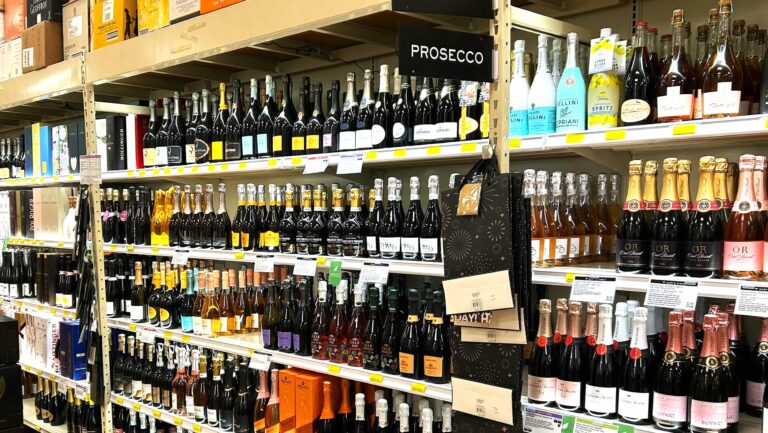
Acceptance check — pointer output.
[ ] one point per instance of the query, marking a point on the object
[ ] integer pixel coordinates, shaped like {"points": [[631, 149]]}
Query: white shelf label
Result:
{"points": [[316, 165], [350, 164], [374, 273], [752, 301], [147, 336], [593, 289], [536, 420], [90, 169], [180, 257], [677, 295], [264, 263], [305, 266], [260, 361]]}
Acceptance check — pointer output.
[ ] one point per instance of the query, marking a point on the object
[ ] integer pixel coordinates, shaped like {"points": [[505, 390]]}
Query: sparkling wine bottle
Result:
{"points": [[543, 366], [670, 396], [632, 237], [743, 249], [635, 391], [709, 394], [570, 377], [600, 392]]}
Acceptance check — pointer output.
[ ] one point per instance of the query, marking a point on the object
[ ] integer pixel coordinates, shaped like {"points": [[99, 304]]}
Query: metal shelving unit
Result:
{"points": [[28, 304], [163, 415], [42, 243], [81, 385]]}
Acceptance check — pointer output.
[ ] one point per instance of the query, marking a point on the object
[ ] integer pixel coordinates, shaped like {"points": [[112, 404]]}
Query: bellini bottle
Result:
{"points": [[676, 85], [742, 250], [639, 85], [704, 244], [632, 237], [569, 394], [571, 92], [709, 396], [722, 77], [600, 392], [542, 370], [518, 94], [542, 96], [635, 392], [668, 230]]}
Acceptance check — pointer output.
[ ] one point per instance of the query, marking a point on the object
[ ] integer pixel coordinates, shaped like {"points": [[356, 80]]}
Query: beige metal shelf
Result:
{"points": [[32, 305]]}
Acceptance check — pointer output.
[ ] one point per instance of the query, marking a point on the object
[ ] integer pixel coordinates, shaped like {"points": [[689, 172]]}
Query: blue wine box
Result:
{"points": [[72, 354]]}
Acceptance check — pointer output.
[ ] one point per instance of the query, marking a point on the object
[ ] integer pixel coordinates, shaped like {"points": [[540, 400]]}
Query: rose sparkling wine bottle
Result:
{"points": [[729, 375], [542, 369], [674, 97], [600, 393], [757, 371], [709, 393], [571, 374], [635, 391], [743, 248], [561, 327], [670, 396]]}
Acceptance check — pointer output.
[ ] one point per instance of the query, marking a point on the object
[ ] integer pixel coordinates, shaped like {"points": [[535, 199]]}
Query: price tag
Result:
{"points": [[239, 255], [38, 428], [574, 138], [305, 266], [119, 400], [375, 273], [433, 150], [514, 143], [316, 164], [155, 250], [264, 263], [79, 393], [260, 361], [185, 338], [419, 387], [752, 301], [156, 413], [167, 335], [468, 147], [615, 134], [180, 257], [400, 153], [369, 156], [147, 336], [376, 378], [334, 369], [197, 428], [177, 420], [687, 129], [132, 326], [677, 295], [350, 163], [593, 289], [540, 420], [90, 169]]}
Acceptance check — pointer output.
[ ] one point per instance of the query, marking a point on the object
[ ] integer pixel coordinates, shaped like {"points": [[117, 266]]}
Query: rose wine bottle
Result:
{"points": [[570, 377], [704, 246], [743, 248], [676, 85], [757, 371], [561, 327], [338, 346], [537, 243], [709, 393], [722, 77], [600, 393], [690, 346], [635, 391], [728, 372], [633, 235], [670, 396], [543, 365], [562, 231], [545, 221]]}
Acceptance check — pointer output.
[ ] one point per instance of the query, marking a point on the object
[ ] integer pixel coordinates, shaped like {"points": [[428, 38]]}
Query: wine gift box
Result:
{"points": [[10, 396], [42, 46], [72, 353], [9, 335], [495, 364], [153, 14], [309, 400], [287, 385], [43, 10], [75, 29]]}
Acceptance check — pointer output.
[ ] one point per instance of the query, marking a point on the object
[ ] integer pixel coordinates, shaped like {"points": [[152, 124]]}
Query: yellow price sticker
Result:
{"points": [[142, 173], [39, 372], [19, 303], [136, 406], [185, 339], [766, 122], [180, 170], [155, 250], [211, 167], [54, 310], [468, 147], [242, 166], [376, 378], [370, 156], [167, 335], [195, 169], [321, 261], [39, 308], [574, 138], [129, 248], [239, 255], [52, 376], [25, 367], [684, 129], [224, 167], [616, 134], [38, 428], [155, 172], [569, 277], [334, 369], [113, 247], [60, 244], [55, 178], [119, 400], [177, 420], [514, 143], [418, 387], [156, 413], [400, 153], [129, 173], [296, 160], [166, 171], [272, 163], [197, 428], [433, 150], [40, 180], [132, 326], [250, 352], [70, 177]]}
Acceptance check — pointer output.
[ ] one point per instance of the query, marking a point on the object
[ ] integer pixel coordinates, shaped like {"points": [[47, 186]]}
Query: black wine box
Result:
{"points": [[116, 143], [467, 423], [9, 335], [495, 364], [10, 396], [43, 10]]}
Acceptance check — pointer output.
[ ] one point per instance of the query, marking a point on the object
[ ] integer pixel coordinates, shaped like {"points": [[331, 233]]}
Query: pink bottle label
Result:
{"points": [[708, 415], [568, 393], [755, 393], [541, 388], [670, 407], [743, 256], [733, 410], [765, 256]]}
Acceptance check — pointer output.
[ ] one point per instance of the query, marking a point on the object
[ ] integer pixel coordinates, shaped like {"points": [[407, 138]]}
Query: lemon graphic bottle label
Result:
{"points": [[603, 92]]}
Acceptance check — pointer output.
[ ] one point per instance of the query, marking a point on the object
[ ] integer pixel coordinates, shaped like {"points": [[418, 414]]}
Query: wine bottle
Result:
{"points": [[348, 119], [410, 354], [272, 411], [436, 350], [634, 394], [542, 371], [621, 338], [709, 396], [743, 256], [265, 121], [364, 119], [542, 95], [604, 88], [338, 343], [676, 85], [260, 406], [285, 322], [249, 128], [219, 128], [569, 392], [138, 303], [409, 242], [149, 140], [448, 114], [382, 112], [326, 423], [563, 232], [404, 113], [632, 237], [332, 127], [390, 336], [571, 92], [239, 220], [600, 393], [424, 121], [321, 324], [670, 402], [430, 235], [704, 247], [222, 227], [318, 225], [519, 89], [579, 241], [353, 228], [668, 229], [639, 84], [756, 373], [544, 222], [391, 225], [561, 328], [335, 237], [722, 77]]}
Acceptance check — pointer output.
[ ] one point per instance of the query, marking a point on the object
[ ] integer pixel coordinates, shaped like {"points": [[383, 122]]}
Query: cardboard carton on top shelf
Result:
{"points": [[15, 19], [113, 21], [43, 10], [75, 28], [153, 14], [180, 10], [10, 59], [41, 46], [212, 5]]}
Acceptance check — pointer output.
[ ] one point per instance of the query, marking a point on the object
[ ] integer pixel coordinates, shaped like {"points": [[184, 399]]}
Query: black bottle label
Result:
{"points": [[632, 254], [704, 256], [175, 155], [666, 256]]}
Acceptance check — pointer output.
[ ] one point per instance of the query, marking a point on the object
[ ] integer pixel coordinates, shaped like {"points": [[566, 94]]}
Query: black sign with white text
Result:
{"points": [[425, 52], [464, 8]]}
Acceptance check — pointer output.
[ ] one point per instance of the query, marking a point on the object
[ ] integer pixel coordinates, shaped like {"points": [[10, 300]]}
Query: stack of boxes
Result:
{"points": [[11, 416], [52, 345]]}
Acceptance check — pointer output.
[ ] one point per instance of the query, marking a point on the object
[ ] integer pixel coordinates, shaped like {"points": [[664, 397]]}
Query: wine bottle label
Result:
{"points": [[744, 107], [600, 399], [271, 239], [536, 250], [206, 327], [548, 249], [266, 336], [635, 110], [666, 255], [389, 245], [137, 312], [704, 256], [262, 144], [138, 392], [297, 144], [161, 155], [363, 139], [284, 340], [216, 327], [742, 256], [407, 364], [542, 389], [296, 342], [574, 247], [355, 352], [754, 395], [541, 120], [327, 141], [389, 358], [428, 247], [152, 314], [110, 308], [378, 134], [423, 133], [150, 157], [217, 150], [223, 324], [197, 324], [165, 316], [200, 413], [632, 254], [733, 410], [246, 143], [189, 403], [213, 416], [25, 289], [634, 405], [561, 248], [568, 393], [745, 207], [347, 140], [571, 110], [673, 104], [518, 123], [146, 391], [370, 245], [175, 155], [409, 246], [313, 142], [723, 101], [14, 290], [709, 415], [447, 131]]}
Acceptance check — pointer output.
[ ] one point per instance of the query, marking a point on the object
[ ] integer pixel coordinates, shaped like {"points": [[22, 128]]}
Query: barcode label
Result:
{"points": [[108, 11], [28, 57]]}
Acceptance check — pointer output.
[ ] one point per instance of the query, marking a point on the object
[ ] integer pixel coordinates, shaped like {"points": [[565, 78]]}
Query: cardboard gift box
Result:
{"points": [[41, 46], [113, 21], [75, 27]]}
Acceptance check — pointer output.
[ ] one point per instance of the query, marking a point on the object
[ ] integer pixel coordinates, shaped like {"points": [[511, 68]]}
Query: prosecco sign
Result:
{"points": [[464, 8], [426, 52]]}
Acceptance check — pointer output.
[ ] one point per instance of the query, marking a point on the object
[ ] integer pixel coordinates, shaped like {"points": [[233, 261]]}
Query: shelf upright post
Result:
{"points": [[89, 115], [501, 30]]}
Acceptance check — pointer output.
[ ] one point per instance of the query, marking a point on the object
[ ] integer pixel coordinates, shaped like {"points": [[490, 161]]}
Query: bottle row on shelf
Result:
{"points": [[701, 380], [56, 407], [222, 391], [390, 330], [725, 79], [297, 219]]}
